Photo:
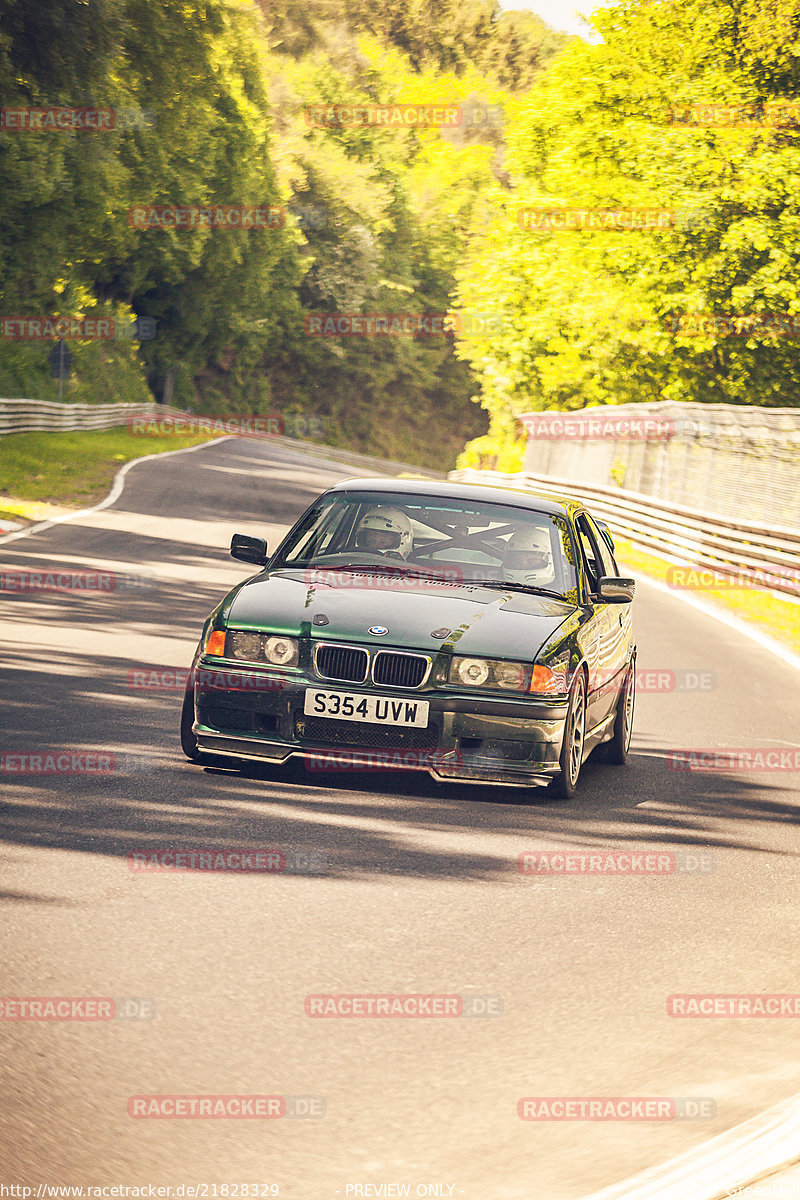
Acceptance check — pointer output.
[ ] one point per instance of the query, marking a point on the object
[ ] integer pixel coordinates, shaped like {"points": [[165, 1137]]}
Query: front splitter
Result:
{"points": [[443, 767]]}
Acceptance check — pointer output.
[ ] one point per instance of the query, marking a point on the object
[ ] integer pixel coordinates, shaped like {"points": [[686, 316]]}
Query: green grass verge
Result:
{"points": [[768, 611], [71, 469]]}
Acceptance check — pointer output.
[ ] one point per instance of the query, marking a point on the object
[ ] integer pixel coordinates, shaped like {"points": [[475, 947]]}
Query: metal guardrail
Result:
{"points": [[33, 416], [729, 460], [686, 535]]}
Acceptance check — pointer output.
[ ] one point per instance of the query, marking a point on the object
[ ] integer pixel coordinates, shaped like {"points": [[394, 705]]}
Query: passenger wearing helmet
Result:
{"points": [[528, 557], [385, 531]]}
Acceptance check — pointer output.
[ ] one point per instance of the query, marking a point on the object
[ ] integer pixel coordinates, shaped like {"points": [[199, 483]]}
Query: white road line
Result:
{"points": [[119, 483], [113, 495], [736, 623], [717, 1169]]}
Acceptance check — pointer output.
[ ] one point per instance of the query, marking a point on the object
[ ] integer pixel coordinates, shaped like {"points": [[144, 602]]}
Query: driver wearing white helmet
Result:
{"points": [[528, 557], [386, 531]]}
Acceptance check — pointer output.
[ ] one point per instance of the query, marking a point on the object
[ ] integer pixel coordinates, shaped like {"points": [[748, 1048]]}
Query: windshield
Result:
{"points": [[452, 539]]}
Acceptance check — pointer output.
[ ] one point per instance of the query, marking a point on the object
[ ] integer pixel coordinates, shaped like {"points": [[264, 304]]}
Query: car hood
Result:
{"points": [[480, 620]]}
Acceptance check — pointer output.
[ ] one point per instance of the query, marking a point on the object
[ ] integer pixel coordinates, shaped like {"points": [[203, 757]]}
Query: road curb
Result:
{"points": [[113, 495], [724, 1166]]}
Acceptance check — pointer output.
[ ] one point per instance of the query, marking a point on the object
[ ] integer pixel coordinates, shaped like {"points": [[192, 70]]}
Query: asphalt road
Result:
{"points": [[416, 890]]}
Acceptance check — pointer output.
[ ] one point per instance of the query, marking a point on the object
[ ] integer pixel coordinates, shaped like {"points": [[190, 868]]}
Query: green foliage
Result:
{"points": [[397, 206], [448, 36], [193, 75], [220, 87], [492, 453], [588, 312]]}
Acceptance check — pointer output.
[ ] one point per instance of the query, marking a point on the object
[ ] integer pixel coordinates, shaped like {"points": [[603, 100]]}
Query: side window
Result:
{"points": [[606, 557], [591, 557], [316, 534]]}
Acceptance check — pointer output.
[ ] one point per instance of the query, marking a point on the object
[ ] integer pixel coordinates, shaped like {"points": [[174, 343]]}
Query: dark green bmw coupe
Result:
{"points": [[481, 634]]}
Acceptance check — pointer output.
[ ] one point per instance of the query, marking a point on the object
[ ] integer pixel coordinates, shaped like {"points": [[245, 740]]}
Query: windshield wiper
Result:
{"points": [[518, 587], [400, 569], [370, 568]]}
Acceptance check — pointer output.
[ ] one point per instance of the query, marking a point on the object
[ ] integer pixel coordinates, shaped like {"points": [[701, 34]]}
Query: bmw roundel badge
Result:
{"points": [[378, 630]]}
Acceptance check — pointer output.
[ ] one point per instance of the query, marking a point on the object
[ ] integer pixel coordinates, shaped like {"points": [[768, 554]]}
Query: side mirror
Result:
{"points": [[606, 532], [616, 590], [249, 549]]}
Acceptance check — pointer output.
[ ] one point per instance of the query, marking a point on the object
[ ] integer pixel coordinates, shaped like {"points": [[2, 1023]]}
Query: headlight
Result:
{"points": [[246, 645], [281, 651], [489, 673], [469, 670], [274, 649], [511, 675]]}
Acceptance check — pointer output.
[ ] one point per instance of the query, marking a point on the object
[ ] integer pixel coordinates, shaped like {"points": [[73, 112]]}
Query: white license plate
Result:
{"points": [[380, 710]]}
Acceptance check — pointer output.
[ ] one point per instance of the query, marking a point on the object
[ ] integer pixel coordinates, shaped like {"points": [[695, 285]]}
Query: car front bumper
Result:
{"points": [[470, 739]]}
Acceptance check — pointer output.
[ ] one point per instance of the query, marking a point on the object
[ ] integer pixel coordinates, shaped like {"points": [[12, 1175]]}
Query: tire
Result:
{"points": [[617, 749], [188, 740], [563, 785]]}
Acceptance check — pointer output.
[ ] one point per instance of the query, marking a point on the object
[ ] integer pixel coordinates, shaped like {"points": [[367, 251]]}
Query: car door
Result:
{"points": [[607, 627], [621, 613]]}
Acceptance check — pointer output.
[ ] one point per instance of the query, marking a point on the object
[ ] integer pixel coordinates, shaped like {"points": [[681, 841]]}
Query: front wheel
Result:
{"points": [[570, 760], [617, 749]]}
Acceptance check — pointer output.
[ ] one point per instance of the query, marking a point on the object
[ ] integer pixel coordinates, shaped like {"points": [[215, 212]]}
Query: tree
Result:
{"points": [[591, 316]]}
